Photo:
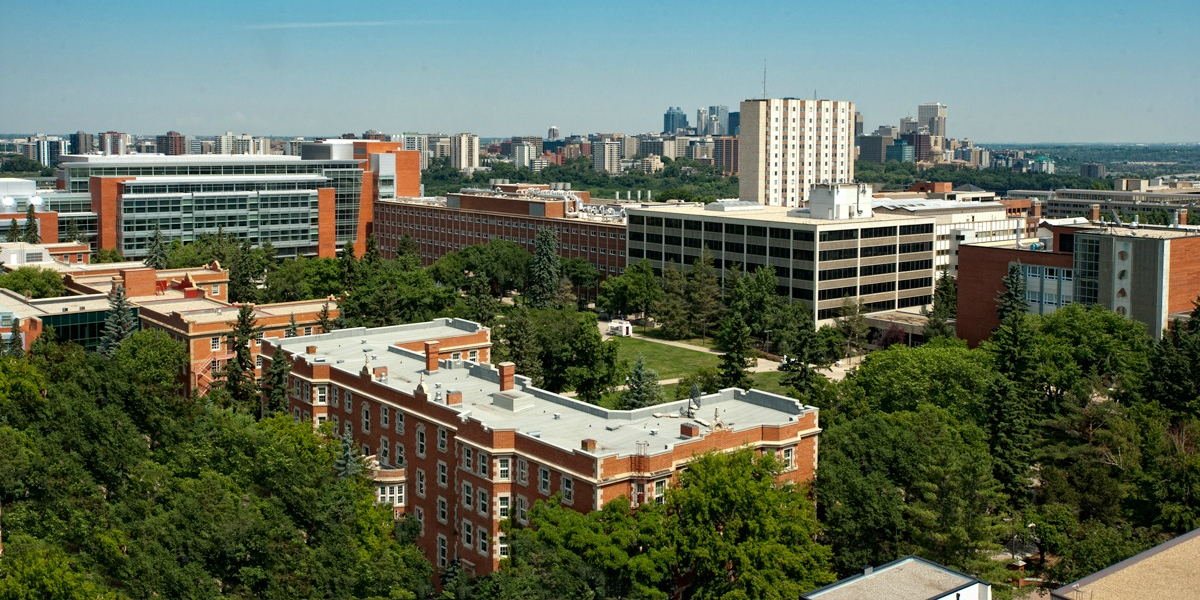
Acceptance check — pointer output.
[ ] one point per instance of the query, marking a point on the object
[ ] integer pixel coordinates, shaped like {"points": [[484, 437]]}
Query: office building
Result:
{"points": [[922, 146], [908, 125], [82, 142], [114, 143], [1145, 273], [607, 155], [713, 120], [553, 133], [460, 446], [911, 577], [510, 212], [836, 248], [725, 154], [899, 151], [1092, 170], [888, 131], [932, 116], [244, 143], [674, 120], [788, 145], [45, 149], [660, 146], [858, 124], [873, 148], [1138, 199], [464, 152], [171, 144], [735, 123]]}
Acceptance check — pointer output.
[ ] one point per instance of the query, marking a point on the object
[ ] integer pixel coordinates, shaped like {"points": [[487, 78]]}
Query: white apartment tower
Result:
{"points": [[788, 145], [933, 116], [606, 156], [523, 154], [464, 152]]}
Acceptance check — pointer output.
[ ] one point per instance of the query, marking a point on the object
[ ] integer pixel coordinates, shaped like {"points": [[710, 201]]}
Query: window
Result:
{"points": [[399, 421], [544, 480], [483, 464], [442, 509], [421, 441], [788, 459], [214, 343], [456, 356], [521, 514], [337, 398], [522, 471], [568, 490], [421, 482], [420, 514], [467, 537], [484, 503], [503, 469], [258, 362], [385, 450], [392, 494], [467, 459], [319, 393], [443, 474], [660, 491], [349, 401], [502, 546], [441, 552], [473, 355], [385, 415], [468, 495], [366, 418], [216, 289], [502, 506], [483, 544], [308, 331], [442, 439]]}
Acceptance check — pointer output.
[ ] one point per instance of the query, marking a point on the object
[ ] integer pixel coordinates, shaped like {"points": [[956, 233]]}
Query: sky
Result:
{"points": [[1010, 72]]}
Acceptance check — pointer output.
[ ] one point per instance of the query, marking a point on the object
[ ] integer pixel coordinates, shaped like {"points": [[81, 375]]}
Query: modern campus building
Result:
{"points": [[787, 145], [1146, 273], [461, 445], [836, 248], [304, 205], [512, 212]]}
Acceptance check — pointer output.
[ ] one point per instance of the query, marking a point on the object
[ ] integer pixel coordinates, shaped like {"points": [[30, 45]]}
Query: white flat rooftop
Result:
{"points": [[552, 418], [766, 215]]}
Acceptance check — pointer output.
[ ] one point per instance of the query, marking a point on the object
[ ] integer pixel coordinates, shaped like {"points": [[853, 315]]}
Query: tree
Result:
{"points": [[1011, 300], [291, 331], [31, 235], [582, 275], [14, 232], [734, 340], [707, 380], [119, 323], [945, 307], [74, 234], [323, 319], [518, 342], [349, 266], [349, 461], [15, 346], [477, 303], [853, 325], [635, 290], [544, 270], [592, 367], [34, 282], [642, 387], [704, 294], [672, 308], [239, 371], [156, 252], [275, 385], [371, 255]]}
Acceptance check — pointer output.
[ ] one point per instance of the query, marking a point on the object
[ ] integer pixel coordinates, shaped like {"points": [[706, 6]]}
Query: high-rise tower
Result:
{"points": [[787, 145]]}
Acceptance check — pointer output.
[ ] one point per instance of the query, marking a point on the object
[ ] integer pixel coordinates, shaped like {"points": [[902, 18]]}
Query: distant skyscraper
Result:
{"points": [[933, 116], [873, 148], [464, 152], [44, 149], [922, 145], [713, 120], [171, 144], [674, 120], [420, 143], [82, 142], [114, 143], [908, 125], [900, 151], [701, 121], [858, 124], [523, 154], [553, 134], [606, 156], [735, 123], [819, 148]]}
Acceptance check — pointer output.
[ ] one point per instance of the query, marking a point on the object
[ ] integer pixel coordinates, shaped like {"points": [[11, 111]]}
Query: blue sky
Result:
{"points": [[1018, 71]]}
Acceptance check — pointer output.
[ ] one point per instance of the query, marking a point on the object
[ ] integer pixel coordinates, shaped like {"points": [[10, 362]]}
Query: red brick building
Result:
{"points": [[462, 446]]}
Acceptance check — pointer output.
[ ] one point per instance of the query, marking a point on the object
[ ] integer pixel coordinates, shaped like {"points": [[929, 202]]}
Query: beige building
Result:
{"points": [[606, 156], [788, 145], [464, 152]]}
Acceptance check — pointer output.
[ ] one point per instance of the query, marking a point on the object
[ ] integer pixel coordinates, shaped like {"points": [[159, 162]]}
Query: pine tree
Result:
{"points": [[945, 294], [704, 294], [291, 330], [519, 343], [323, 319], [349, 462], [31, 235], [544, 270], [348, 264], [372, 256], [119, 323], [156, 253], [74, 234], [672, 307], [642, 387], [239, 371], [734, 339], [1011, 300], [14, 232], [15, 347], [275, 384]]}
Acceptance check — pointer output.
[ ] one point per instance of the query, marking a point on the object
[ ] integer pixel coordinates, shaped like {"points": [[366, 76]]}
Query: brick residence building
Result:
{"points": [[462, 445]]}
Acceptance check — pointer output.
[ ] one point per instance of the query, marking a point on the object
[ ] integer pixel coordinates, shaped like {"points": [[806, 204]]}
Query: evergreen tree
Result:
{"points": [[544, 270], [642, 387], [239, 371], [945, 307], [853, 325], [704, 294], [15, 348], [275, 384], [31, 235], [14, 232], [156, 253], [323, 319], [478, 304], [74, 234], [518, 343], [672, 308], [348, 265], [734, 339], [291, 330], [349, 462], [1011, 300], [372, 256], [246, 272], [119, 323]]}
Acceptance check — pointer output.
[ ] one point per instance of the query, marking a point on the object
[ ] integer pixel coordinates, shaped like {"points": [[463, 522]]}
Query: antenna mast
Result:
{"points": [[764, 79]]}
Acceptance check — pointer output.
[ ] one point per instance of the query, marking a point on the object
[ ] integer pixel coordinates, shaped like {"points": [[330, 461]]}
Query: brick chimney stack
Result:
{"points": [[431, 356], [507, 371]]}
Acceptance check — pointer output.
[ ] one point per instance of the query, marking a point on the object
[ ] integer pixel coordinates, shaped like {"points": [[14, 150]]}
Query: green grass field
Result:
{"points": [[670, 362]]}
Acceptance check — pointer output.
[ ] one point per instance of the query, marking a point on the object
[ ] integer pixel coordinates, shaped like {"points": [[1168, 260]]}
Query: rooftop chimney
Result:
{"points": [[453, 397], [689, 430], [588, 445], [431, 356], [310, 349], [379, 373], [507, 371]]}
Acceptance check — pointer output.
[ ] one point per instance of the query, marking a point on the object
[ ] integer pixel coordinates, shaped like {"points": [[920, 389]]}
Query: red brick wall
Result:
{"points": [[408, 173], [327, 223], [1185, 274], [981, 272], [106, 203]]}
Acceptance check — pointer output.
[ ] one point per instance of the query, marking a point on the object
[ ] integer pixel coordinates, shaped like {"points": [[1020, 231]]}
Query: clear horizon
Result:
{"points": [[1028, 73]]}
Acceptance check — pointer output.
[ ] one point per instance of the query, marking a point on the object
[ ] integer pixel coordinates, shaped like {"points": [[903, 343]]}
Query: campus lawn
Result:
{"points": [[670, 362]]}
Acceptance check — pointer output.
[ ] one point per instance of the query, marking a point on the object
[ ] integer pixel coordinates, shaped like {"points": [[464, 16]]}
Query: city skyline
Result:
{"points": [[1072, 74]]}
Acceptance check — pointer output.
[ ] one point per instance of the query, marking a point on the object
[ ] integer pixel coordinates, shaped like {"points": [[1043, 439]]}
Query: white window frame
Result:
{"points": [[502, 506], [484, 502], [443, 474], [467, 457], [421, 441], [399, 422], [443, 510], [568, 489], [366, 418], [484, 464], [443, 438], [504, 468], [544, 480], [522, 471], [214, 343], [522, 510], [468, 537], [385, 415], [320, 394], [468, 495], [421, 482], [441, 551]]}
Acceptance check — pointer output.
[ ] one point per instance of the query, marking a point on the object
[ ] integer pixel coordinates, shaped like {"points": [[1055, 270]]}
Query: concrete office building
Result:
{"points": [[908, 125], [788, 145], [932, 116], [836, 248], [510, 212], [523, 154], [1178, 202], [873, 148], [900, 151], [82, 142], [460, 446]]}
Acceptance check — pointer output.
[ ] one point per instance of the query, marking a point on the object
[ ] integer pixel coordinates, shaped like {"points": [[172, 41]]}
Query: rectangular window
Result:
{"points": [[441, 552], [385, 415], [483, 544], [420, 442], [214, 343], [467, 459], [420, 514], [337, 398], [468, 495], [502, 506], [442, 439], [320, 392], [308, 331], [399, 454], [399, 422], [443, 474], [484, 503], [349, 401], [484, 462], [473, 355], [385, 450], [467, 530], [502, 546], [503, 468], [660, 491], [366, 418], [522, 471], [568, 490], [788, 459], [442, 509], [521, 513], [421, 482], [544, 480]]}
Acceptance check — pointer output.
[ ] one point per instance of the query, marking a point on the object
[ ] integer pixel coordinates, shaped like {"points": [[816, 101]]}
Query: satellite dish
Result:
{"points": [[8, 201], [36, 200]]}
